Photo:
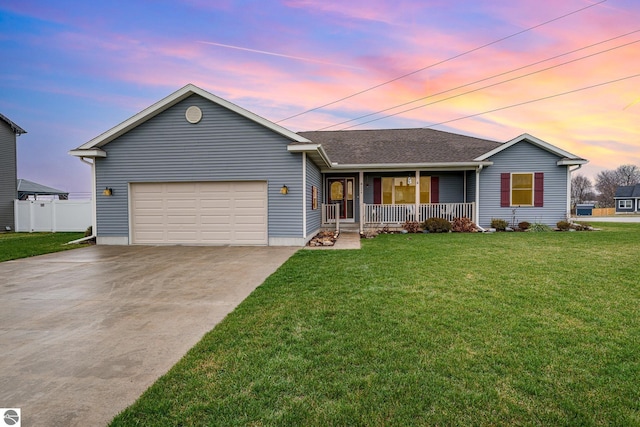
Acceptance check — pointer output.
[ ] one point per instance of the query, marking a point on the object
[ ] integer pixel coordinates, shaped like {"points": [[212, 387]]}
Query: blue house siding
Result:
{"points": [[471, 186], [524, 157], [7, 175], [223, 146], [314, 216]]}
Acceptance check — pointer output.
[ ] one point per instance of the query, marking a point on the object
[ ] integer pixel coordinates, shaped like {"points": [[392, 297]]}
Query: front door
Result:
{"points": [[341, 193]]}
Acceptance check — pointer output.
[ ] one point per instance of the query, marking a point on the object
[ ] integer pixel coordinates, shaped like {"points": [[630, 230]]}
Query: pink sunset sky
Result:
{"points": [[569, 70]]}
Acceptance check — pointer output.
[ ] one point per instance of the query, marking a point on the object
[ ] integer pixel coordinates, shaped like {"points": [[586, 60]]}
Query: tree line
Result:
{"points": [[603, 190]]}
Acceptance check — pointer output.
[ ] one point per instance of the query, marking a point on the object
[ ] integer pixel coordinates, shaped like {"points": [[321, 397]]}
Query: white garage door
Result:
{"points": [[214, 213]]}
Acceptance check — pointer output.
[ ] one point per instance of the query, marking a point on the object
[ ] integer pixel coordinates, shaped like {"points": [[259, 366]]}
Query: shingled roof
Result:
{"points": [[399, 146], [628, 191]]}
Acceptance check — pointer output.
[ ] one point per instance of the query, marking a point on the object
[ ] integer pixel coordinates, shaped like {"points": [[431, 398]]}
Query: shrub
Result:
{"points": [[538, 227], [437, 225], [524, 225], [411, 226], [463, 225], [499, 224], [89, 231], [563, 225]]}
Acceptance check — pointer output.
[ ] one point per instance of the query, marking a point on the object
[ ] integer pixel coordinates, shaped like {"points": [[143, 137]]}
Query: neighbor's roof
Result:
{"points": [[92, 148], [625, 191], [14, 127], [399, 146], [29, 187]]}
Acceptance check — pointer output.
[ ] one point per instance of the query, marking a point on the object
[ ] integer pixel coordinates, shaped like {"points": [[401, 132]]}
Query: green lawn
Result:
{"points": [[450, 329], [23, 245]]}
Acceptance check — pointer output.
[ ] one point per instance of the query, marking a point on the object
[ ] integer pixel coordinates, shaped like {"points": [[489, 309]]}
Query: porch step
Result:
{"points": [[349, 227]]}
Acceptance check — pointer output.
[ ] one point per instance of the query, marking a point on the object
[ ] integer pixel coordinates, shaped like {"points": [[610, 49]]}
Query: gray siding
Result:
{"points": [[314, 217], [8, 178], [223, 146], [524, 157], [471, 186]]}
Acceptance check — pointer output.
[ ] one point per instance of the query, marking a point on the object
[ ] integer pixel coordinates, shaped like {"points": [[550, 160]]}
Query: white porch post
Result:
{"points": [[476, 214], [417, 201], [361, 199]]}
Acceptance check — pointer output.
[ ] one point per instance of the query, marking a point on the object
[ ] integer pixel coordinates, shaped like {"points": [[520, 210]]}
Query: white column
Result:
{"points": [[477, 209], [361, 199], [417, 201]]}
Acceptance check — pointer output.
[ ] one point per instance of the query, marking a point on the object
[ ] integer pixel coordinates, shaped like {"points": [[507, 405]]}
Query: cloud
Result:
{"points": [[262, 52]]}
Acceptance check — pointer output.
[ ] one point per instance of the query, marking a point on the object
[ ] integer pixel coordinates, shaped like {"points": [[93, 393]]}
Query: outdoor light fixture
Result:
{"points": [[108, 191], [284, 189]]}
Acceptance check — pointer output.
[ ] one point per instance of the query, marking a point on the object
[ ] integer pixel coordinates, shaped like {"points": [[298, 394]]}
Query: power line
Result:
{"points": [[477, 89], [481, 80], [533, 100], [443, 61]]}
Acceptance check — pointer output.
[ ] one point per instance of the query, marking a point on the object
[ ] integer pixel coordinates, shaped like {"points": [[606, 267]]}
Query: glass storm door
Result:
{"points": [[341, 193]]}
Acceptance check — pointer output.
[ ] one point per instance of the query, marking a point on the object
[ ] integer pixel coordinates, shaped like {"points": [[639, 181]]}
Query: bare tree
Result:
{"points": [[581, 189], [628, 175], [609, 180]]}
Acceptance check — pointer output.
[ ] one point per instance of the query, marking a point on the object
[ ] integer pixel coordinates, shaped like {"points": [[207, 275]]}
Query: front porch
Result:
{"points": [[395, 215]]}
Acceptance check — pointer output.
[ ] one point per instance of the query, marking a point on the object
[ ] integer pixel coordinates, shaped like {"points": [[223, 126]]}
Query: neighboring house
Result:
{"points": [[628, 199], [8, 171], [196, 169], [31, 190]]}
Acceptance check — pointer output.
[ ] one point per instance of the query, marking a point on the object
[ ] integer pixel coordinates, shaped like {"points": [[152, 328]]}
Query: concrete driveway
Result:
{"points": [[83, 333]]}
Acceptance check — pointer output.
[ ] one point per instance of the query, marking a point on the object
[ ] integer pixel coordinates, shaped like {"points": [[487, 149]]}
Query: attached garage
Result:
{"points": [[206, 213]]}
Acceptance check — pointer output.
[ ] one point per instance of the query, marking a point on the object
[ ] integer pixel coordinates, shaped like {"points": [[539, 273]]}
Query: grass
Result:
{"points": [[450, 329], [23, 245]]}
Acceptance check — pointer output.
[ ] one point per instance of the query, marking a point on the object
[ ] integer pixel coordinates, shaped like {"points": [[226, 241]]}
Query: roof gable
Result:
{"points": [[566, 158], [14, 127], [168, 102]]}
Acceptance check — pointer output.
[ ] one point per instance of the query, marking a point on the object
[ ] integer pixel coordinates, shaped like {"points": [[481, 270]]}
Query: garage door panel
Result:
{"points": [[199, 213]]}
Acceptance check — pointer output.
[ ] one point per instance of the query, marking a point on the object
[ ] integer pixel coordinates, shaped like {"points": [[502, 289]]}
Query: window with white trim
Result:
{"points": [[625, 204]]}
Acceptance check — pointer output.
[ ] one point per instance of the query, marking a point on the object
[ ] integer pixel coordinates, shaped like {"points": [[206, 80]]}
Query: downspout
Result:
{"points": [[304, 196]]}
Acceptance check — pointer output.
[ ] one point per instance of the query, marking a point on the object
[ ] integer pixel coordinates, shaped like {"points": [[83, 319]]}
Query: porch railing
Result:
{"points": [[331, 214], [398, 214]]}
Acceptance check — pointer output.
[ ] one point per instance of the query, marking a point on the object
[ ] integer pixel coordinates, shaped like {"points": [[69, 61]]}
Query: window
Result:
{"points": [[398, 190], [625, 204], [522, 189], [425, 189]]}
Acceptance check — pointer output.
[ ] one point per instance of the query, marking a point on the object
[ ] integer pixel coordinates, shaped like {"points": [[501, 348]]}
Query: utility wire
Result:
{"points": [[533, 100], [482, 80], [480, 88], [443, 61]]}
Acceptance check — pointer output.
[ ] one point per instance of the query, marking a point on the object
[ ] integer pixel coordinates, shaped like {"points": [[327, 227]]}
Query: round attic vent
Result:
{"points": [[193, 114]]}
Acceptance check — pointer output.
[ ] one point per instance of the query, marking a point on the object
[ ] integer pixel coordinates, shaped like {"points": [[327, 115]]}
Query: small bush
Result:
{"points": [[89, 231], [538, 227], [524, 225], [563, 225], [463, 225], [499, 224], [411, 226], [437, 225]]}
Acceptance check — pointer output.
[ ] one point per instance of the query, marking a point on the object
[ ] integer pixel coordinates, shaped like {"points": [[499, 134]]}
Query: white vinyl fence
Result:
{"points": [[52, 215]]}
